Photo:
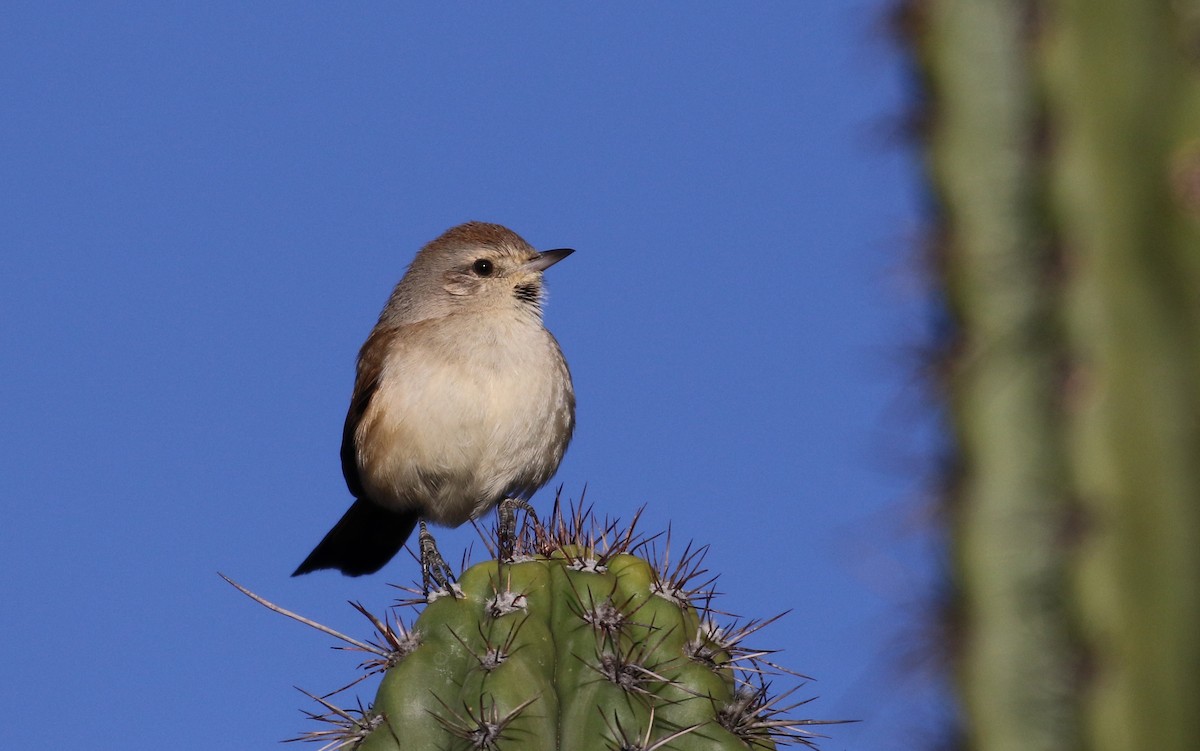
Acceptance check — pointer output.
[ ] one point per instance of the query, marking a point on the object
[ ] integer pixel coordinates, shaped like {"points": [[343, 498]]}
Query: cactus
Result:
{"points": [[570, 642], [1062, 144]]}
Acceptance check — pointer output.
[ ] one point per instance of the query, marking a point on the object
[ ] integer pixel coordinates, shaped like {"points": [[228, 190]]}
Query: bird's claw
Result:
{"points": [[433, 567], [506, 532]]}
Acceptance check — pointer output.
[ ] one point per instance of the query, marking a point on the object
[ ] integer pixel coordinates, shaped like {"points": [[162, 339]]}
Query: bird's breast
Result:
{"points": [[464, 415]]}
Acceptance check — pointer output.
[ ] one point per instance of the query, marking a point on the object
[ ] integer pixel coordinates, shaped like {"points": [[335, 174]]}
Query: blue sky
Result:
{"points": [[204, 206]]}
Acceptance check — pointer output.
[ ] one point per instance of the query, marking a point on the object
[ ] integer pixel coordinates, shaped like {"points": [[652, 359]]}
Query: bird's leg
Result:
{"points": [[433, 566], [507, 531]]}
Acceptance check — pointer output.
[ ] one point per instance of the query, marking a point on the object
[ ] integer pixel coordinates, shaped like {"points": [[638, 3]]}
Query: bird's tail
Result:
{"points": [[362, 542]]}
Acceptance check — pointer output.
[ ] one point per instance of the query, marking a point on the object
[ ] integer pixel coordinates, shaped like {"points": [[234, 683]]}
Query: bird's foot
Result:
{"points": [[433, 567], [506, 533]]}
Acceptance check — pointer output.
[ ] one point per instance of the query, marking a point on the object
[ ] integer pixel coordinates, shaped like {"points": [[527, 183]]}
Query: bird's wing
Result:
{"points": [[370, 366]]}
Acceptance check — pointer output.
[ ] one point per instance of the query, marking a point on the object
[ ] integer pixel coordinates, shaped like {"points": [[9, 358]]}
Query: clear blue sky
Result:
{"points": [[203, 207]]}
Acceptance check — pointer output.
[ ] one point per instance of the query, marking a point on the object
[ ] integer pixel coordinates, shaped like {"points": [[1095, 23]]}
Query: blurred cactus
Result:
{"points": [[1063, 148], [572, 642]]}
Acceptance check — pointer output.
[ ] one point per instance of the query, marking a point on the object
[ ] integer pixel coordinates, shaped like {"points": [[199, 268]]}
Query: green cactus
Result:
{"points": [[1063, 143], [572, 642]]}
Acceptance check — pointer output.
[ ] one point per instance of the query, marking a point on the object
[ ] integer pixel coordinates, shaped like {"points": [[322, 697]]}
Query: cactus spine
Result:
{"points": [[1064, 151]]}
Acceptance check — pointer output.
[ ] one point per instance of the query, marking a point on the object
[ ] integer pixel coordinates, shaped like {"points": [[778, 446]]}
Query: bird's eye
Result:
{"points": [[483, 267]]}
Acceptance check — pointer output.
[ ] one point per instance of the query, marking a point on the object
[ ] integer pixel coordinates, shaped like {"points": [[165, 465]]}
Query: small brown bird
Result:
{"points": [[462, 397]]}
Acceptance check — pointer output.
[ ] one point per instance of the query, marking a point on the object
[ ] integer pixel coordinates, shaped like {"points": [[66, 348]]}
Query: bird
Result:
{"points": [[462, 398]]}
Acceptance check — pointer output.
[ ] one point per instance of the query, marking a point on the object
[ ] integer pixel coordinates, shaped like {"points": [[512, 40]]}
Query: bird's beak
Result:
{"points": [[548, 258]]}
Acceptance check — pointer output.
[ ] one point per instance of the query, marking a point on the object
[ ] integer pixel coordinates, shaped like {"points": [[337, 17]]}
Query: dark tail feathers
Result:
{"points": [[362, 542]]}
